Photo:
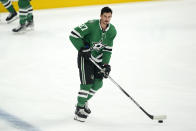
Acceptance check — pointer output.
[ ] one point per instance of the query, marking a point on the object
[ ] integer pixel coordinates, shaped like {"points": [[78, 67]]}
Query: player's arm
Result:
{"points": [[107, 51], [78, 34]]}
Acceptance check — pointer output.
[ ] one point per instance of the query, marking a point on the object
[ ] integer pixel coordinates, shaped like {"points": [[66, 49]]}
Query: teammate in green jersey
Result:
{"points": [[26, 16], [13, 14], [93, 39]]}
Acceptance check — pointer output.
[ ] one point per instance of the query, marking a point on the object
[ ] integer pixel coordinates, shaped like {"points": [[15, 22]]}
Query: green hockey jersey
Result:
{"points": [[100, 42]]}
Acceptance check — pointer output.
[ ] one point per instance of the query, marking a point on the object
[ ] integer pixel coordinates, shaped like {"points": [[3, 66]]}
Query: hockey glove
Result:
{"points": [[85, 52], [106, 70]]}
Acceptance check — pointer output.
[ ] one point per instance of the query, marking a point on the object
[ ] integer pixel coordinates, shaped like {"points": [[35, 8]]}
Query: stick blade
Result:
{"points": [[161, 117]]}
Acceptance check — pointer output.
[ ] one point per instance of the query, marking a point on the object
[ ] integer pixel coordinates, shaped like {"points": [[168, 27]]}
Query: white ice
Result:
{"points": [[154, 60]]}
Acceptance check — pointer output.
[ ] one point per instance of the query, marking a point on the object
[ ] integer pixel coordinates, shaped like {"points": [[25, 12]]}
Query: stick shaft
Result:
{"points": [[150, 116]]}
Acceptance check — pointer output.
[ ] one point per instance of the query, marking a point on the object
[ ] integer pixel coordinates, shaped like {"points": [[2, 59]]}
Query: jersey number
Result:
{"points": [[83, 27]]}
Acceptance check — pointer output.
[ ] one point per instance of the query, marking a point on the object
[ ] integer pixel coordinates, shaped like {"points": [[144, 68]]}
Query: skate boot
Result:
{"points": [[87, 109], [11, 17], [80, 114], [30, 25], [21, 28]]}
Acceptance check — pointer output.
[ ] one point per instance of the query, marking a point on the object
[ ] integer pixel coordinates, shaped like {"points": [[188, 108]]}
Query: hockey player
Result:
{"points": [[25, 15], [13, 14], [93, 39]]}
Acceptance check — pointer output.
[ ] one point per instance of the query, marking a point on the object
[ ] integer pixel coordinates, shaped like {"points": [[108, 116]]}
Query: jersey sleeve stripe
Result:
{"points": [[73, 35], [74, 32], [108, 50], [108, 47]]}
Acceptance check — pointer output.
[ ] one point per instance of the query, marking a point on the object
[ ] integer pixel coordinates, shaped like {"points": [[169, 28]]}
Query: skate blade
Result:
{"points": [[20, 32], [12, 20], [77, 118]]}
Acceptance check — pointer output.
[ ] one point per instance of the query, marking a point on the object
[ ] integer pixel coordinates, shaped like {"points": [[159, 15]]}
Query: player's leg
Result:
{"points": [[97, 84], [13, 14], [30, 21], [86, 72], [24, 5]]}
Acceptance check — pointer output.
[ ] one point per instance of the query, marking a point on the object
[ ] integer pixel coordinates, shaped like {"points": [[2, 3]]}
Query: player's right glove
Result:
{"points": [[85, 52], [106, 70]]}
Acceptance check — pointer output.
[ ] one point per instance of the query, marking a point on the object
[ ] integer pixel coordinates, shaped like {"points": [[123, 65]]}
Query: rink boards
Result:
{"points": [[46, 4]]}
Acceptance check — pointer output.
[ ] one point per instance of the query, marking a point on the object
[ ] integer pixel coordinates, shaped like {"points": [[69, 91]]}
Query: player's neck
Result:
{"points": [[103, 26]]}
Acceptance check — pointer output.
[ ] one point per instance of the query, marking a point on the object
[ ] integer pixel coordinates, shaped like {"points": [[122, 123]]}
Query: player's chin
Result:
{"points": [[106, 22]]}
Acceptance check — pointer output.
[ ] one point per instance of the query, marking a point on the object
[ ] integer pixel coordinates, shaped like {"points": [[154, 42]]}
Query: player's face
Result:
{"points": [[105, 18]]}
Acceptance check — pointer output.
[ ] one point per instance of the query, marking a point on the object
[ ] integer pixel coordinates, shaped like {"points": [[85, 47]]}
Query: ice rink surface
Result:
{"points": [[154, 60]]}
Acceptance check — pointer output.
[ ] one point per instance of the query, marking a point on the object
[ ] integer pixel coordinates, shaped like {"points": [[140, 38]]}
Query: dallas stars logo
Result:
{"points": [[97, 46]]}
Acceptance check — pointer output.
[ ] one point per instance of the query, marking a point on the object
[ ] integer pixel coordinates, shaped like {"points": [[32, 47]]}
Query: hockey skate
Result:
{"points": [[20, 29], [11, 17], [30, 25], [80, 114], [87, 109]]}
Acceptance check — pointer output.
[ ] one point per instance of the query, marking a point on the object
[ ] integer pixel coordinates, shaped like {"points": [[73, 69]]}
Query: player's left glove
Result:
{"points": [[106, 70]]}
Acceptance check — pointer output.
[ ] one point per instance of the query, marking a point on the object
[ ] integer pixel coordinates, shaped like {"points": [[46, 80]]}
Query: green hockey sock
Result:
{"points": [[11, 9], [30, 17], [83, 94], [25, 8], [98, 83], [8, 5], [30, 13], [23, 19]]}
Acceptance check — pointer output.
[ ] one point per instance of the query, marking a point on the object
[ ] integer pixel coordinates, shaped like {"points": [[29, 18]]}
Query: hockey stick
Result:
{"points": [[160, 118]]}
